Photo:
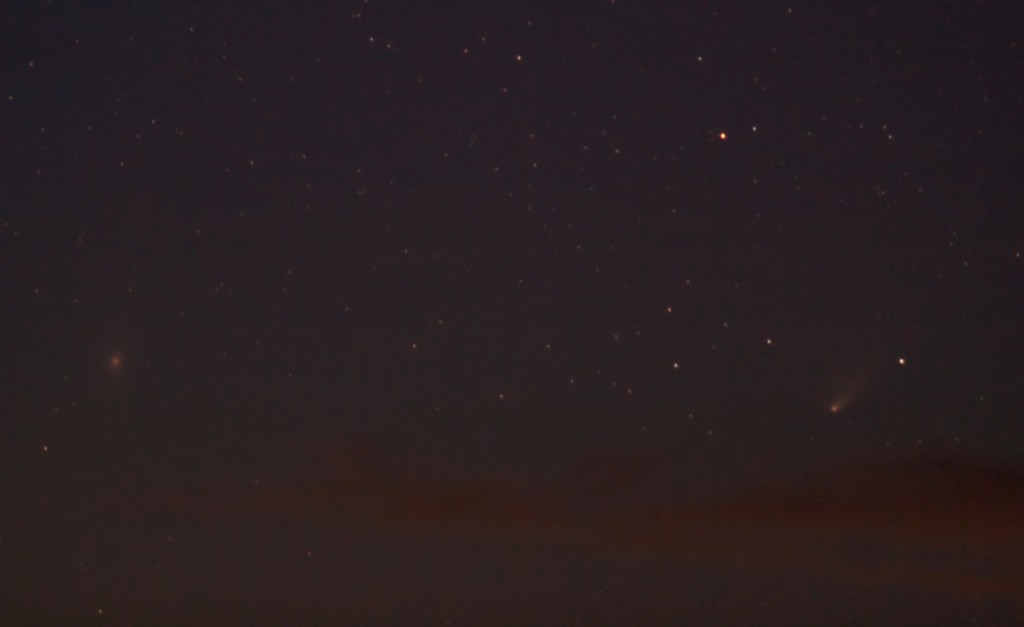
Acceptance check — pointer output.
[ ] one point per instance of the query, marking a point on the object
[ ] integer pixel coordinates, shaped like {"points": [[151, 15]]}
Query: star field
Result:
{"points": [[420, 313]]}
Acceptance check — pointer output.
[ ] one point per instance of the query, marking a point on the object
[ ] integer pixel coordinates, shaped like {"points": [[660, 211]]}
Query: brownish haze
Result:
{"points": [[939, 524]]}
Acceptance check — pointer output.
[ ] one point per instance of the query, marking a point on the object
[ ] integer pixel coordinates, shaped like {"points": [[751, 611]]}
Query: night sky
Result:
{"points": [[606, 313]]}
